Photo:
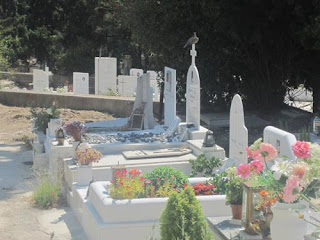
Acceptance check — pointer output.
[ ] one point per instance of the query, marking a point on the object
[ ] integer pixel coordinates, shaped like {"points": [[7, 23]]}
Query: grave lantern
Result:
{"points": [[209, 139], [250, 199], [60, 136]]}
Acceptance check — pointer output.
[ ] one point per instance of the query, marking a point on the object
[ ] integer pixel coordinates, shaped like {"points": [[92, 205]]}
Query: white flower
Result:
{"points": [[280, 167]]}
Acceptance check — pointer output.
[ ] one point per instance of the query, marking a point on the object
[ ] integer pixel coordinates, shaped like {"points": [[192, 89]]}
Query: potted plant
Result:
{"points": [[75, 129], [234, 193], [85, 159], [60, 136]]}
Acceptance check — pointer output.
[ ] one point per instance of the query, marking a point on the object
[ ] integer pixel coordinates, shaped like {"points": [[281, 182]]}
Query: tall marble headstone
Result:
{"points": [[169, 96], [144, 101], [154, 83], [81, 83], [105, 74], [193, 92], [40, 79], [238, 139], [127, 85], [281, 140]]}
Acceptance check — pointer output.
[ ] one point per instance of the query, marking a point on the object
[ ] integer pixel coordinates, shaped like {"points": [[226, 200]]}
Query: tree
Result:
{"points": [[183, 218]]}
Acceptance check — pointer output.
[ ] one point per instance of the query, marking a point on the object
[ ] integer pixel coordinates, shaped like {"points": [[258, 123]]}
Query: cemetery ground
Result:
{"points": [[19, 219]]}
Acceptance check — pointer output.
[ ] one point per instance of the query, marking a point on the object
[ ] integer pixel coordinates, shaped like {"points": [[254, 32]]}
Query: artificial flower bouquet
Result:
{"points": [[287, 180], [88, 155]]}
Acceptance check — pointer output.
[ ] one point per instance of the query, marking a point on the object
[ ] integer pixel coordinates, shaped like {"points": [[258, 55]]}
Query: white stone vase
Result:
{"points": [[286, 223], [84, 173]]}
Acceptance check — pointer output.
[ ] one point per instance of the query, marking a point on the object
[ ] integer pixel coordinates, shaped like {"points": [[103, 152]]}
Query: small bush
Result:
{"points": [[183, 218], [161, 175], [202, 164], [47, 194]]}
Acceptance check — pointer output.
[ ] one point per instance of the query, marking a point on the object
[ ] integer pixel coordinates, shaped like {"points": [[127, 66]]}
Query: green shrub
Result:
{"points": [[160, 175], [183, 218], [203, 164], [47, 194]]}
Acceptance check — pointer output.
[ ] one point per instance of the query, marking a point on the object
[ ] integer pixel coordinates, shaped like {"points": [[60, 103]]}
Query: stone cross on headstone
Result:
{"points": [[193, 54], [193, 92], [238, 139]]}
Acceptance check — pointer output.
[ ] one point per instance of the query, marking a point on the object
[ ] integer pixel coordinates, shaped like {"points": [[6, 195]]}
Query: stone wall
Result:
{"points": [[120, 106]]}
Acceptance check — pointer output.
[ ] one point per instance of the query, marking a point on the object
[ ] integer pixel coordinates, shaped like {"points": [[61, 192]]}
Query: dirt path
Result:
{"points": [[19, 219]]}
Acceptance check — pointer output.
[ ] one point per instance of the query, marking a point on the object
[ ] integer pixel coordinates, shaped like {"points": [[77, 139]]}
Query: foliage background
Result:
{"points": [[259, 49]]}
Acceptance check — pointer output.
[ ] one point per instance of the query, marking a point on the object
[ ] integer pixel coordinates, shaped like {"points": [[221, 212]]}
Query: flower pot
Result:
{"points": [[286, 223], [84, 174], [236, 211]]}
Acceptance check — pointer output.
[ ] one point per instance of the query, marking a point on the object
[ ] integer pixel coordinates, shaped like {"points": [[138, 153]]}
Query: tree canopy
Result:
{"points": [[256, 48]]}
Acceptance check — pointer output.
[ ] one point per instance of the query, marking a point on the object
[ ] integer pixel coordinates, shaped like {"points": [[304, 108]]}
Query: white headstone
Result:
{"points": [[127, 85], [105, 74], [281, 140], [154, 83], [169, 95], [136, 72], [81, 83], [238, 139], [193, 92], [144, 100], [40, 80]]}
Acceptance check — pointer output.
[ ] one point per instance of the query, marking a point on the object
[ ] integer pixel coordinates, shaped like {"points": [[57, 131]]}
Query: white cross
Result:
{"points": [[193, 54]]}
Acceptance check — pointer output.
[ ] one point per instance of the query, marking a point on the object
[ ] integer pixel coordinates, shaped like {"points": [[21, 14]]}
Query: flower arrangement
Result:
{"points": [[88, 155], [287, 180], [161, 182], [204, 189], [74, 129], [127, 186]]}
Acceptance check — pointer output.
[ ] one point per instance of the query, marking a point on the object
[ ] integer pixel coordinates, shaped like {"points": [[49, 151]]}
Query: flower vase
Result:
{"points": [[286, 223], [84, 173]]}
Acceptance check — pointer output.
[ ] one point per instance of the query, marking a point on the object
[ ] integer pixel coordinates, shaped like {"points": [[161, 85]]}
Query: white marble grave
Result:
{"points": [[41, 79], [81, 83], [105, 75], [127, 85], [144, 101], [154, 84], [238, 138], [281, 140], [169, 96], [193, 93]]}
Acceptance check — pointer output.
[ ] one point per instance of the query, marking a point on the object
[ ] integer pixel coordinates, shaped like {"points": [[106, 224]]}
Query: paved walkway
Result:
{"points": [[18, 218]]}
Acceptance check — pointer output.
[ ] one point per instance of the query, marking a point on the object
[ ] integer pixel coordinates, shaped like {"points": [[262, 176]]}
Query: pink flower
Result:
{"points": [[267, 152], [244, 170], [301, 149], [292, 189], [148, 181], [53, 103], [256, 166]]}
